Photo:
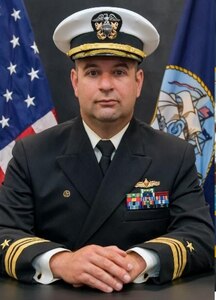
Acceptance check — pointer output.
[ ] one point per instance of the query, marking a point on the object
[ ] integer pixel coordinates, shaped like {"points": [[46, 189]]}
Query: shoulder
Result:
{"points": [[49, 139]]}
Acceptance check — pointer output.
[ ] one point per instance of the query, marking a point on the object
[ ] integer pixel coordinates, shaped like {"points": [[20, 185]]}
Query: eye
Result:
{"points": [[92, 73], [120, 72]]}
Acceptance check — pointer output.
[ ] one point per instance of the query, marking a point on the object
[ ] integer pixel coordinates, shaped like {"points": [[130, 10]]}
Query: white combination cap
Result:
{"points": [[102, 31]]}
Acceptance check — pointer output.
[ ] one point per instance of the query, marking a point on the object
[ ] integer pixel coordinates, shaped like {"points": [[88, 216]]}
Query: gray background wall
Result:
{"points": [[45, 15]]}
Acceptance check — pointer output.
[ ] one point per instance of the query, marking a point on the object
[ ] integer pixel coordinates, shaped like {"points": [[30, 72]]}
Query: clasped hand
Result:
{"points": [[104, 268]]}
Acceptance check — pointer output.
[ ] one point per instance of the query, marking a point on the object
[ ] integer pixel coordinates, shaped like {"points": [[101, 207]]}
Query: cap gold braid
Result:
{"points": [[101, 48]]}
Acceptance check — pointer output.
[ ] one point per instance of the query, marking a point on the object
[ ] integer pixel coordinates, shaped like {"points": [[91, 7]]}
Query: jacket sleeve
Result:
{"points": [[18, 243], [187, 247]]}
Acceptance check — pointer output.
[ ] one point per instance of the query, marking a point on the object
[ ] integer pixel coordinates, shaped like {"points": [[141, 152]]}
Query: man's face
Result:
{"points": [[107, 88]]}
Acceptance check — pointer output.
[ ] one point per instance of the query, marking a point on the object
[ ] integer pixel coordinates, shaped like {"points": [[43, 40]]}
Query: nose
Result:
{"points": [[106, 82]]}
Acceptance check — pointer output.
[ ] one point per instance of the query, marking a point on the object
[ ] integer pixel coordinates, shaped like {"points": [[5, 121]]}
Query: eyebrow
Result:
{"points": [[90, 65]]}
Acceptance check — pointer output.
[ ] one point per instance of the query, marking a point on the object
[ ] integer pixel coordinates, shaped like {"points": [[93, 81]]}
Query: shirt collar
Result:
{"points": [[94, 138]]}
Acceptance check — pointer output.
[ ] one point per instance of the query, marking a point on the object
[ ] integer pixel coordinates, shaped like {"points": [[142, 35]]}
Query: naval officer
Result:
{"points": [[104, 200]]}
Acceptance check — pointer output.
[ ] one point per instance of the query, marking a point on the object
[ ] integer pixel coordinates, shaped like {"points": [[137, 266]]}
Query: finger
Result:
{"points": [[110, 267], [100, 279], [117, 250], [112, 254]]}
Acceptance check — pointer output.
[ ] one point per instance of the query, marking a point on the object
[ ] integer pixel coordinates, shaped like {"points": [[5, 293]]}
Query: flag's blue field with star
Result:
{"points": [[25, 101]]}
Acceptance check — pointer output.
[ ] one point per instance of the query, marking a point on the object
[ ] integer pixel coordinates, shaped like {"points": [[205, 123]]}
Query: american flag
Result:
{"points": [[25, 100]]}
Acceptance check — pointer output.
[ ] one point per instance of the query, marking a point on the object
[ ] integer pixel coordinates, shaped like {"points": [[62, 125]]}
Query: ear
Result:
{"points": [[139, 80], [74, 81]]}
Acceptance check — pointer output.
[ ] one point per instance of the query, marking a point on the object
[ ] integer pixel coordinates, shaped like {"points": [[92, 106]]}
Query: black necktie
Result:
{"points": [[106, 148]]}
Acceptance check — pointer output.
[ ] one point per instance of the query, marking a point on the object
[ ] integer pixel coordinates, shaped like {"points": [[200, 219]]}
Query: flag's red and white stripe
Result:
{"points": [[43, 123]]}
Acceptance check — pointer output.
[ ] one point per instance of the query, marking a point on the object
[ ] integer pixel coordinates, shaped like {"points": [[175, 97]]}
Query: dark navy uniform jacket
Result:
{"points": [[54, 195]]}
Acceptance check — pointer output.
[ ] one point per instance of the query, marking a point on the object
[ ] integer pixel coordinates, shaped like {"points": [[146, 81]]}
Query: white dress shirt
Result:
{"points": [[43, 273]]}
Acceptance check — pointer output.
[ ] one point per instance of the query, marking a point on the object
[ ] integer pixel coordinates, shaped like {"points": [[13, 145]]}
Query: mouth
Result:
{"points": [[107, 102]]}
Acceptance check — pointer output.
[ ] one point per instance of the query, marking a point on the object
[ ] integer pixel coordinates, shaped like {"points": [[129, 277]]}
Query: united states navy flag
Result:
{"points": [[185, 105], [25, 100]]}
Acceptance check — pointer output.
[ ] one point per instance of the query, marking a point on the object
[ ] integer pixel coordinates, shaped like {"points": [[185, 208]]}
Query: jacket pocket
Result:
{"points": [[146, 214]]}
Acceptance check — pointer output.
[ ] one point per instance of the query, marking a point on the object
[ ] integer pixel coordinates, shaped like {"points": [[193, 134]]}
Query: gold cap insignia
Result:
{"points": [[107, 25], [147, 184]]}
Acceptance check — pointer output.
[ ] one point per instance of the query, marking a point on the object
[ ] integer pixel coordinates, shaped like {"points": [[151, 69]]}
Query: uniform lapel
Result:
{"points": [[79, 163], [128, 166]]}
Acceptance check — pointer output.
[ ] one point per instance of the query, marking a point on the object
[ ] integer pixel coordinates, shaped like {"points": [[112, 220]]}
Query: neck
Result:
{"points": [[106, 130]]}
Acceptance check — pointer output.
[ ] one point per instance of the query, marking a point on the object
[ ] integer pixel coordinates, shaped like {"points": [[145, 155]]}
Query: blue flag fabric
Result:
{"points": [[25, 100], [185, 106]]}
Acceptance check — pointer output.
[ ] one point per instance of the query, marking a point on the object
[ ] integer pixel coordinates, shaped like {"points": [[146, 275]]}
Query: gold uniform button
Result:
{"points": [[66, 194]]}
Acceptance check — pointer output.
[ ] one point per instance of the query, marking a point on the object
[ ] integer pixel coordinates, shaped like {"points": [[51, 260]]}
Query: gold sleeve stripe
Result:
{"points": [[183, 254], [14, 261], [11, 250], [174, 253], [178, 251], [15, 250]]}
